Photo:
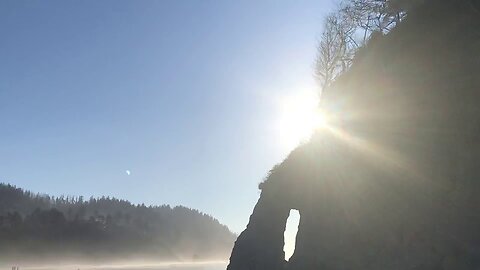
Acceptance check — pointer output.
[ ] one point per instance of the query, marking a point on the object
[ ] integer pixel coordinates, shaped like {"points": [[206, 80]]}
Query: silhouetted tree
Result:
{"points": [[33, 224], [335, 52], [349, 28]]}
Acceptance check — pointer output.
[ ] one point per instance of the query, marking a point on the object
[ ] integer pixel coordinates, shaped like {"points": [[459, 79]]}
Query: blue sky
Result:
{"points": [[187, 95]]}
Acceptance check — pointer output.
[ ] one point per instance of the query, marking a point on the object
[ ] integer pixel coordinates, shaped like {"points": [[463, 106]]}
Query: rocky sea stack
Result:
{"points": [[393, 181]]}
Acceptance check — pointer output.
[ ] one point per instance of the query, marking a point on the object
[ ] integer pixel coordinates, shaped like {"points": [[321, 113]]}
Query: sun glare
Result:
{"points": [[299, 117]]}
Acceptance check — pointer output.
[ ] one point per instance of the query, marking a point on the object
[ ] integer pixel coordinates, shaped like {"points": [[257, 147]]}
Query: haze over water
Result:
{"points": [[132, 266]]}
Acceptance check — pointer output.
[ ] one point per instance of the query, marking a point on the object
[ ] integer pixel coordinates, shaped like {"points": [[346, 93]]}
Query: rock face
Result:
{"points": [[394, 181]]}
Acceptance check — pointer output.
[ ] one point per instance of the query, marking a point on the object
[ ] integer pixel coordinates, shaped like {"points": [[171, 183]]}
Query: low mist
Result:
{"points": [[38, 229]]}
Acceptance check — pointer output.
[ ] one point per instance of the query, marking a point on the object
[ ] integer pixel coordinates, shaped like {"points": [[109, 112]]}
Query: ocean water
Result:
{"points": [[158, 266], [173, 266]]}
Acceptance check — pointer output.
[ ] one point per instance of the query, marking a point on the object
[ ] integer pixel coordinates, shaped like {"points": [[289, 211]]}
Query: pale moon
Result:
{"points": [[128, 172]]}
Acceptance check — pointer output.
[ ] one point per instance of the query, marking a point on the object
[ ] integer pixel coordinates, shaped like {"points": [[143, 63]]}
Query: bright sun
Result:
{"points": [[299, 117]]}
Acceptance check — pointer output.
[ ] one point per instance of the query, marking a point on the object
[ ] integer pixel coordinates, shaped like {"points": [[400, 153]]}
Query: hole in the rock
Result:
{"points": [[290, 233]]}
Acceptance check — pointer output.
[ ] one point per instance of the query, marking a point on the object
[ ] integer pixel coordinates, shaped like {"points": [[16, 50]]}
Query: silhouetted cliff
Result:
{"points": [[393, 181]]}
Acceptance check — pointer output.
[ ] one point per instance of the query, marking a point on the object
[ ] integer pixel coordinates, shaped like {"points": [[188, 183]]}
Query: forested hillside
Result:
{"points": [[36, 226]]}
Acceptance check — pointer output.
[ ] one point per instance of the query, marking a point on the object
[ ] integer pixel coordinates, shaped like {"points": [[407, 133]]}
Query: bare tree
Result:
{"points": [[349, 28], [334, 52]]}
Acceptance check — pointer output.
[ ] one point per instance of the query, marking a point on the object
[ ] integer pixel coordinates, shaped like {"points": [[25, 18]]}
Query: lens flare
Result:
{"points": [[299, 117]]}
